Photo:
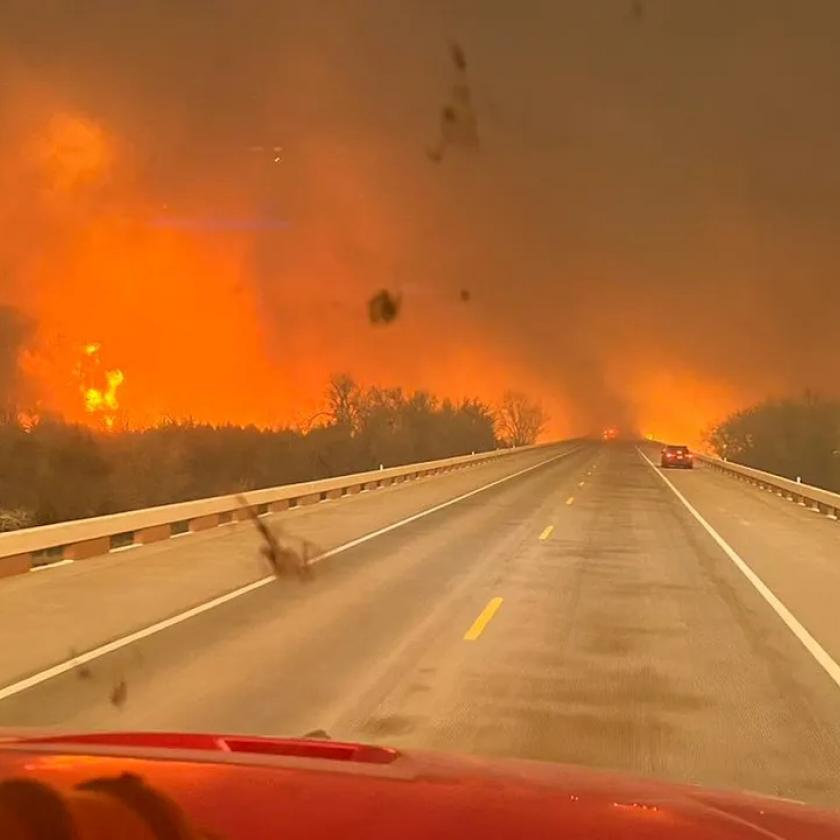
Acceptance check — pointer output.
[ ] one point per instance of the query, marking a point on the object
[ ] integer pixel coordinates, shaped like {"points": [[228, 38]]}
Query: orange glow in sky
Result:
{"points": [[182, 331]]}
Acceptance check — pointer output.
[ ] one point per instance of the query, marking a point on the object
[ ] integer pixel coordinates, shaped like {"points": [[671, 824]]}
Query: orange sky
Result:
{"points": [[214, 199], [174, 306]]}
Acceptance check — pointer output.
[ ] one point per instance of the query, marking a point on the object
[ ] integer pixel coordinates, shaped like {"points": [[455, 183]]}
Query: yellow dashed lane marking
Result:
{"points": [[483, 620]]}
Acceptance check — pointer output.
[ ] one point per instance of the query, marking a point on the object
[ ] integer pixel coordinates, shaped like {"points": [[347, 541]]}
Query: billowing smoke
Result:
{"points": [[636, 198]]}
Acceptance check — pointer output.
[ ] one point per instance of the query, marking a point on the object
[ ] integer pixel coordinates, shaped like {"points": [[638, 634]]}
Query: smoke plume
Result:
{"points": [[638, 206]]}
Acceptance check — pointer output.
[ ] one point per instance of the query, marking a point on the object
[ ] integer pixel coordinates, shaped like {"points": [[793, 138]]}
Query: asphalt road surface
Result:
{"points": [[574, 610]]}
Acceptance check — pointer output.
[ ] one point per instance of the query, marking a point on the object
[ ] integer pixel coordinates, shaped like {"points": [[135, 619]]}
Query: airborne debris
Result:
{"points": [[82, 670], [318, 734], [383, 307], [281, 558], [458, 56], [458, 124], [119, 693]]}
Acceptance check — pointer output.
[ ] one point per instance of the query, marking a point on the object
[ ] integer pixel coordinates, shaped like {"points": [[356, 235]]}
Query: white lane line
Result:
{"points": [[51, 565], [811, 644], [124, 641]]}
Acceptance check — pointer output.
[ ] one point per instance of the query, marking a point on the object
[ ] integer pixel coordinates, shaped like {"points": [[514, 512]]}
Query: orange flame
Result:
{"points": [[28, 420], [96, 400], [100, 401]]}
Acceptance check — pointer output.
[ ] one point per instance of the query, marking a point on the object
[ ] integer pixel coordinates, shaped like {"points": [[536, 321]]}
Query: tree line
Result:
{"points": [[795, 438], [55, 471]]}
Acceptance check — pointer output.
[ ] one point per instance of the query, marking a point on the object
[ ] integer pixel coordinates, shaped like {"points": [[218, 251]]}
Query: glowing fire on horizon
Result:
{"points": [[180, 317]]}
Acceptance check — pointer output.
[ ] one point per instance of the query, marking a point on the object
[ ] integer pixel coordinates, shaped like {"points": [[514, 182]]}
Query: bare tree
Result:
{"points": [[343, 395], [519, 420]]}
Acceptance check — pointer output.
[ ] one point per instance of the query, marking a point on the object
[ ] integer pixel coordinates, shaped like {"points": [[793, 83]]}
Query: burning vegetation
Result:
{"points": [[99, 386]]}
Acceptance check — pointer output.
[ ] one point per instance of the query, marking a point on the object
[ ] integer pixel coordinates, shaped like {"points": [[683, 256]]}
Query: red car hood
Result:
{"points": [[243, 787]]}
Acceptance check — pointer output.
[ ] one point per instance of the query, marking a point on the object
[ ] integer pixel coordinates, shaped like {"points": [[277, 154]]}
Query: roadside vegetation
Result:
{"points": [[795, 438], [53, 471]]}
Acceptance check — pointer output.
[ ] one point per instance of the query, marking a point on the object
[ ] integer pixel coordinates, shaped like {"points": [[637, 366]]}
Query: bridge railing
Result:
{"points": [[79, 539], [804, 494]]}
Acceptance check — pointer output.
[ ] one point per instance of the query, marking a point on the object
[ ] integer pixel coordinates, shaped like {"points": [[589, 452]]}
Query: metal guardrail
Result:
{"points": [[805, 494], [79, 539]]}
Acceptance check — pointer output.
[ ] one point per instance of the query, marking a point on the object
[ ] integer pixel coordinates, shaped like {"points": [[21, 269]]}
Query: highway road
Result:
{"points": [[569, 604]]}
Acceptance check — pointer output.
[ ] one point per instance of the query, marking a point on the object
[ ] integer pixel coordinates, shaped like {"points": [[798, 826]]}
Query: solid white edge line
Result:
{"points": [[45, 566], [125, 548], [810, 643], [124, 641]]}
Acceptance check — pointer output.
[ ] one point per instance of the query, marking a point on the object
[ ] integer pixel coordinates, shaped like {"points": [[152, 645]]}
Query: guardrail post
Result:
{"points": [[87, 548], [15, 565], [203, 523], [154, 533]]}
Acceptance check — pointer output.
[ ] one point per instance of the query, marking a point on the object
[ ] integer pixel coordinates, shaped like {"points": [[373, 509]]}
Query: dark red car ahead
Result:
{"points": [[677, 456]]}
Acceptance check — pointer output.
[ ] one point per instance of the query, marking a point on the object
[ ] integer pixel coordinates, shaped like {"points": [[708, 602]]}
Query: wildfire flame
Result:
{"points": [[28, 420], [96, 400], [101, 401]]}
